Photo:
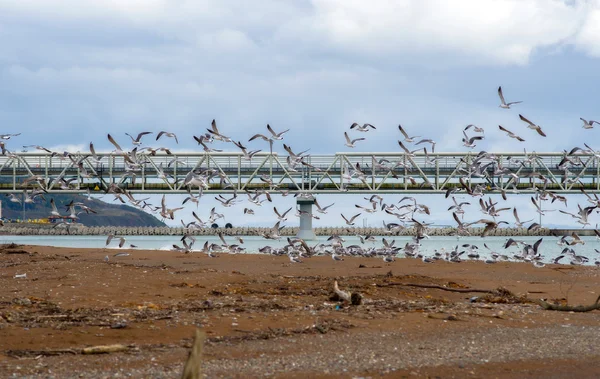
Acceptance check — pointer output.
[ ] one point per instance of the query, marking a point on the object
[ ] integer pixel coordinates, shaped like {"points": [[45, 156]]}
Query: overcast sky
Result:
{"points": [[72, 71]]}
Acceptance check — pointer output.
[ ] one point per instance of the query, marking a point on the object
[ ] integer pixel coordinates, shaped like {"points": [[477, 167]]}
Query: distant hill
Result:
{"points": [[107, 214]]}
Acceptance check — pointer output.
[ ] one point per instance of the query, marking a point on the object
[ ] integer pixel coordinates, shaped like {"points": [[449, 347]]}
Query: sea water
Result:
{"points": [[548, 248]]}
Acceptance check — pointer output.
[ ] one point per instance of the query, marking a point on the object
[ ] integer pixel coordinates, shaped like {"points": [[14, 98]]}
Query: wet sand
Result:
{"points": [[263, 315]]}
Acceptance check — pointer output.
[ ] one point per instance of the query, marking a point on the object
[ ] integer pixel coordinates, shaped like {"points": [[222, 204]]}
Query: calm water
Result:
{"points": [[548, 248]]}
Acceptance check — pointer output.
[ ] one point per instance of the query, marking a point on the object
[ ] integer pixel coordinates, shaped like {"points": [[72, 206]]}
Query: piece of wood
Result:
{"points": [[435, 286], [341, 294], [104, 349], [569, 308], [37, 353], [193, 365]]}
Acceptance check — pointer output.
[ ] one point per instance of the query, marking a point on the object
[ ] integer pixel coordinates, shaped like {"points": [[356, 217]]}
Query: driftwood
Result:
{"points": [[193, 365], [341, 294], [461, 290], [353, 298], [569, 308], [103, 349], [39, 353]]}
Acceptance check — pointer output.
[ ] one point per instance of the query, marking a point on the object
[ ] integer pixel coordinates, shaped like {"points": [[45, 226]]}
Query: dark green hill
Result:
{"points": [[107, 214]]}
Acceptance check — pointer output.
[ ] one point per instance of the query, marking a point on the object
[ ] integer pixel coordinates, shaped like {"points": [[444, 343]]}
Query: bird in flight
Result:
{"points": [[533, 126], [503, 103]]}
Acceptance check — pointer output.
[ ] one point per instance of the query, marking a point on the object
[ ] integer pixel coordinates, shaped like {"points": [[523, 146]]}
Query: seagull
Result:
{"points": [[470, 142], [406, 137], [351, 221], [363, 128], [511, 134], [533, 126], [281, 217], [322, 209], [518, 222], [504, 104], [277, 136], [216, 134], [118, 150], [167, 134], [7, 136], [137, 141], [588, 124], [476, 128], [110, 238], [349, 142], [432, 142]]}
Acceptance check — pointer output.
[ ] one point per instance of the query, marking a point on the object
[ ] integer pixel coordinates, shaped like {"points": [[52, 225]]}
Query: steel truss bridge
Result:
{"points": [[335, 173]]}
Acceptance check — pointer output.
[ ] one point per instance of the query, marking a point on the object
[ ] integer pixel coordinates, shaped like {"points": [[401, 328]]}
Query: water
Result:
{"points": [[549, 248]]}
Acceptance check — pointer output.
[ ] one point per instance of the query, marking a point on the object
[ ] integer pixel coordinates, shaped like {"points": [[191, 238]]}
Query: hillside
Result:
{"points": [[107, 214]]}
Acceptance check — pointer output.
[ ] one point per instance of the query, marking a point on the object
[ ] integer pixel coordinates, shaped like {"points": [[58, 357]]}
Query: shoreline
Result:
{"points": [[45, 229]]}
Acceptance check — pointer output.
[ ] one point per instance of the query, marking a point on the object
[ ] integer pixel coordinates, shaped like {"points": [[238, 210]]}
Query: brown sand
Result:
{"points": [[265, 316]]}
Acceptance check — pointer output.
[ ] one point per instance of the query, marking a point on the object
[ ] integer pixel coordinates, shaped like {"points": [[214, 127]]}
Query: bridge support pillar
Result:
{"points": [[306, 231]]}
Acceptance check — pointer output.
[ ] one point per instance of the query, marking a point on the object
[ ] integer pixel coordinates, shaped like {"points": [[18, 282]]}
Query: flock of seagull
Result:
{"points": [[406, 211]]}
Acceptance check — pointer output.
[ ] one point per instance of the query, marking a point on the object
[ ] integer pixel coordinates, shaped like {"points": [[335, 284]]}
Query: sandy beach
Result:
{"points": [[264, 316]]}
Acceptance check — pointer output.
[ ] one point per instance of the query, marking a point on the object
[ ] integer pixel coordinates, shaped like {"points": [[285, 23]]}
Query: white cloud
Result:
{"points": [[484, 31]]}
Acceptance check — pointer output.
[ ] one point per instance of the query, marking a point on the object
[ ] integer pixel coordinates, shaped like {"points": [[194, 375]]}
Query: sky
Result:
{"points": [[72, 71]]}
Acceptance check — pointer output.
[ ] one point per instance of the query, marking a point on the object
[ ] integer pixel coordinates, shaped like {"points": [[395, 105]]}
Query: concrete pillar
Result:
{"points": [[305, 231]]}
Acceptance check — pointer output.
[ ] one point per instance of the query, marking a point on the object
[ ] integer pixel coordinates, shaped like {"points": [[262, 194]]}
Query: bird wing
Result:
{"points": [[112, 140], [354, 217], [347, 138], [402, 131], [501, 95], [516, 215], [159, 135], [526, 120], [271, 130], [540, 131], [504, 129], [141, 135], [403, 147], [213, 125]]}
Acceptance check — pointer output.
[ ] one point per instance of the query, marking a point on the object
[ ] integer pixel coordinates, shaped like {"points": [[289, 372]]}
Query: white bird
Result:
{"points": [[533, 126], [518, 222], [406, 137], [363, 128], [349, 142], [476, 128], [511, 134], [470, 142], [588, 124], [138, 140], [504, 104], [281, 217], [351, 221], [432, 142], [322, 209], [167, 134], [276, 136]]}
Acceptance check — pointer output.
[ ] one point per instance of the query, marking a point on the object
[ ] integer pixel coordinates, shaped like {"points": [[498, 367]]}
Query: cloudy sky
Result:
{"points": [[72, 71]]}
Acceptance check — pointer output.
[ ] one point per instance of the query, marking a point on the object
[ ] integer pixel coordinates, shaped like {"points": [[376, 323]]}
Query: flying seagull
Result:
{"points": [[504, 104], [588, 124], [511, 134], [172, 135], [349, 142], [138, 140], [533, 126], [363, 128], [406, 137]]}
